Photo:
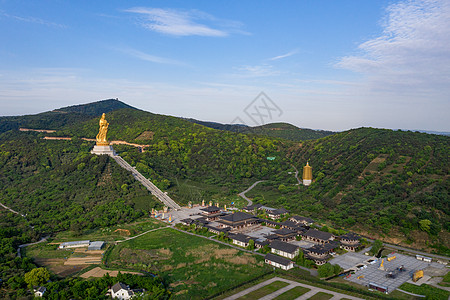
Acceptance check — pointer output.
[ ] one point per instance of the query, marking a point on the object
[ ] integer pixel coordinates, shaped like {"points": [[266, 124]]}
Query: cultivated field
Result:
{"points": [[99, 272], [194, 267]]}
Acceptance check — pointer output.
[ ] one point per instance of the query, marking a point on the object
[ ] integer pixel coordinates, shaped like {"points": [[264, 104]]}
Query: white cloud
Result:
{"points": [[32, 20], [151, 58], [184, 23], [412, 55], [263, 70], [284, 55]]}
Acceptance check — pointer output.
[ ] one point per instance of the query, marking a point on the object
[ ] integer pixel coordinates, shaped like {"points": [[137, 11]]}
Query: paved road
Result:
{"points": [[292, 284], [415, 295], [11, 210], [296, 176], [29, 244], [250, 202], [416, 251]]}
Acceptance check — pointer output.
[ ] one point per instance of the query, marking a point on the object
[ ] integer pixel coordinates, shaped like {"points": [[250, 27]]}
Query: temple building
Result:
{"points": [[238, 220], [284, 249], [350, 241], [317, 236], [307, 174], [320, 253]]}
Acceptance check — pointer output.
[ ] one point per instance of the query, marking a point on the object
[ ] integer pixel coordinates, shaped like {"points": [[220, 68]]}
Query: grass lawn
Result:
{"points": [[265, 290], [321, 296], [293, 293], [427, 290], [45, 250], [193, 267], [111, 234]]}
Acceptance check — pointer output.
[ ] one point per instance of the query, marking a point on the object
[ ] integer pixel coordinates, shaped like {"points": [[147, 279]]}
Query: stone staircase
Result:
{"points": [[166, 200]]}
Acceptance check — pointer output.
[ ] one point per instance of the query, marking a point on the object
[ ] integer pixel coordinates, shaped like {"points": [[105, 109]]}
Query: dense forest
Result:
{"points": [[382, 183], [276, 130]]}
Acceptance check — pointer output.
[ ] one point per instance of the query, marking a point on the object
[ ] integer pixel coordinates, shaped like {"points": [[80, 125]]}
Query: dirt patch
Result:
{"points": [[99, 272], [223, 253], [73, 261], [146, 135], [124, 232], [242, 260], [56, 266]]}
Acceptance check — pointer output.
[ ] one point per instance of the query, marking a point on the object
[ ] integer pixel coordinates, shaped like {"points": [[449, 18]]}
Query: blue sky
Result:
{"points": [[330, 65]]}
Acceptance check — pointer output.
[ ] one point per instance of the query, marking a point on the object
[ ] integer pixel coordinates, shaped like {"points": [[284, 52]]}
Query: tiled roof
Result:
{"points": [[282, 246], [284, 231], [240, 237], [350, 236], [238, 216], [321, 235], [118, 286], [278, 259], [277, 212], [320, 249], [210, 209]]}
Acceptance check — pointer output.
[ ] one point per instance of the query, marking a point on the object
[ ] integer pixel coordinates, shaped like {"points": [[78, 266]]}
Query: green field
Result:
{"points": [[427, 290], [293, 293], [110, 234], [193, 267], [321, 296], [265, 290]]}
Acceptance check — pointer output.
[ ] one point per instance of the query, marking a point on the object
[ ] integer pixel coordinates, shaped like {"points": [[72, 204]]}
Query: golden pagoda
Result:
{"points": [[307, 174]]}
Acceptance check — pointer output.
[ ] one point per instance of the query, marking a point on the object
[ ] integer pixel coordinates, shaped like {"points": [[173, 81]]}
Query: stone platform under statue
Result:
{"points": [[100, 150]]}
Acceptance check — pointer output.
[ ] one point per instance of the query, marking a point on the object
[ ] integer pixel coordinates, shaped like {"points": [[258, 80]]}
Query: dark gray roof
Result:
{"points": [[226, 229], [289, 224], [320, 249], [41, 289], [118, 286], [187, 221], [277, 212], [321, 235], [282, 246], [262, 243], [278, 259], [272, 237], [350, 236], [210, 209], [253, 207], [240, 237], [238, 216], [284, 231]]}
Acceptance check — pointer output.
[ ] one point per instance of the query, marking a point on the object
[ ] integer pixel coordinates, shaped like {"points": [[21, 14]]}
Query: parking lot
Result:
{"points": [[372, 273], [351, 259]]}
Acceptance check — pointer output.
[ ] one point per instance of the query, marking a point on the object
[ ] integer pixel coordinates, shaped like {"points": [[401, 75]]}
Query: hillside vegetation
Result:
{"points": [[384, 183]]}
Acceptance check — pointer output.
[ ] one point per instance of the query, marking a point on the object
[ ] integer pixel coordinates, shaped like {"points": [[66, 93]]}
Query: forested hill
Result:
{"points": [[277, 130], [61, 117], [389, 184]]}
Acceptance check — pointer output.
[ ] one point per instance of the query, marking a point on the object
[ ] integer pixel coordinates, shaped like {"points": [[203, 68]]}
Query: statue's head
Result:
{"points": [[103, 116]]}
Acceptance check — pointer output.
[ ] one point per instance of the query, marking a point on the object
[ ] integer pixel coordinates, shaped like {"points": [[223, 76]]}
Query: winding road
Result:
{"points": [[242, 194]]}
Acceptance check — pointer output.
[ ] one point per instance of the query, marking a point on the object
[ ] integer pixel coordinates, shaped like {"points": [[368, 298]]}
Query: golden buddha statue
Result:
{"points": [[101, 136]]}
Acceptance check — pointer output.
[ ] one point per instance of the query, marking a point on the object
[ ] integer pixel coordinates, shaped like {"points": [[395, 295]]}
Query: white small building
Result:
{"points": [[74, 244], [97, 245], [284, 249], [39, 292], [121, 291], [278, 262]]}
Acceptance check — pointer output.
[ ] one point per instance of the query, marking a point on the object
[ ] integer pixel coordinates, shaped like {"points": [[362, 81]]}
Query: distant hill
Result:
{"points": [[277, 130], [61, 117], [95, 108], [289, 132]]}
